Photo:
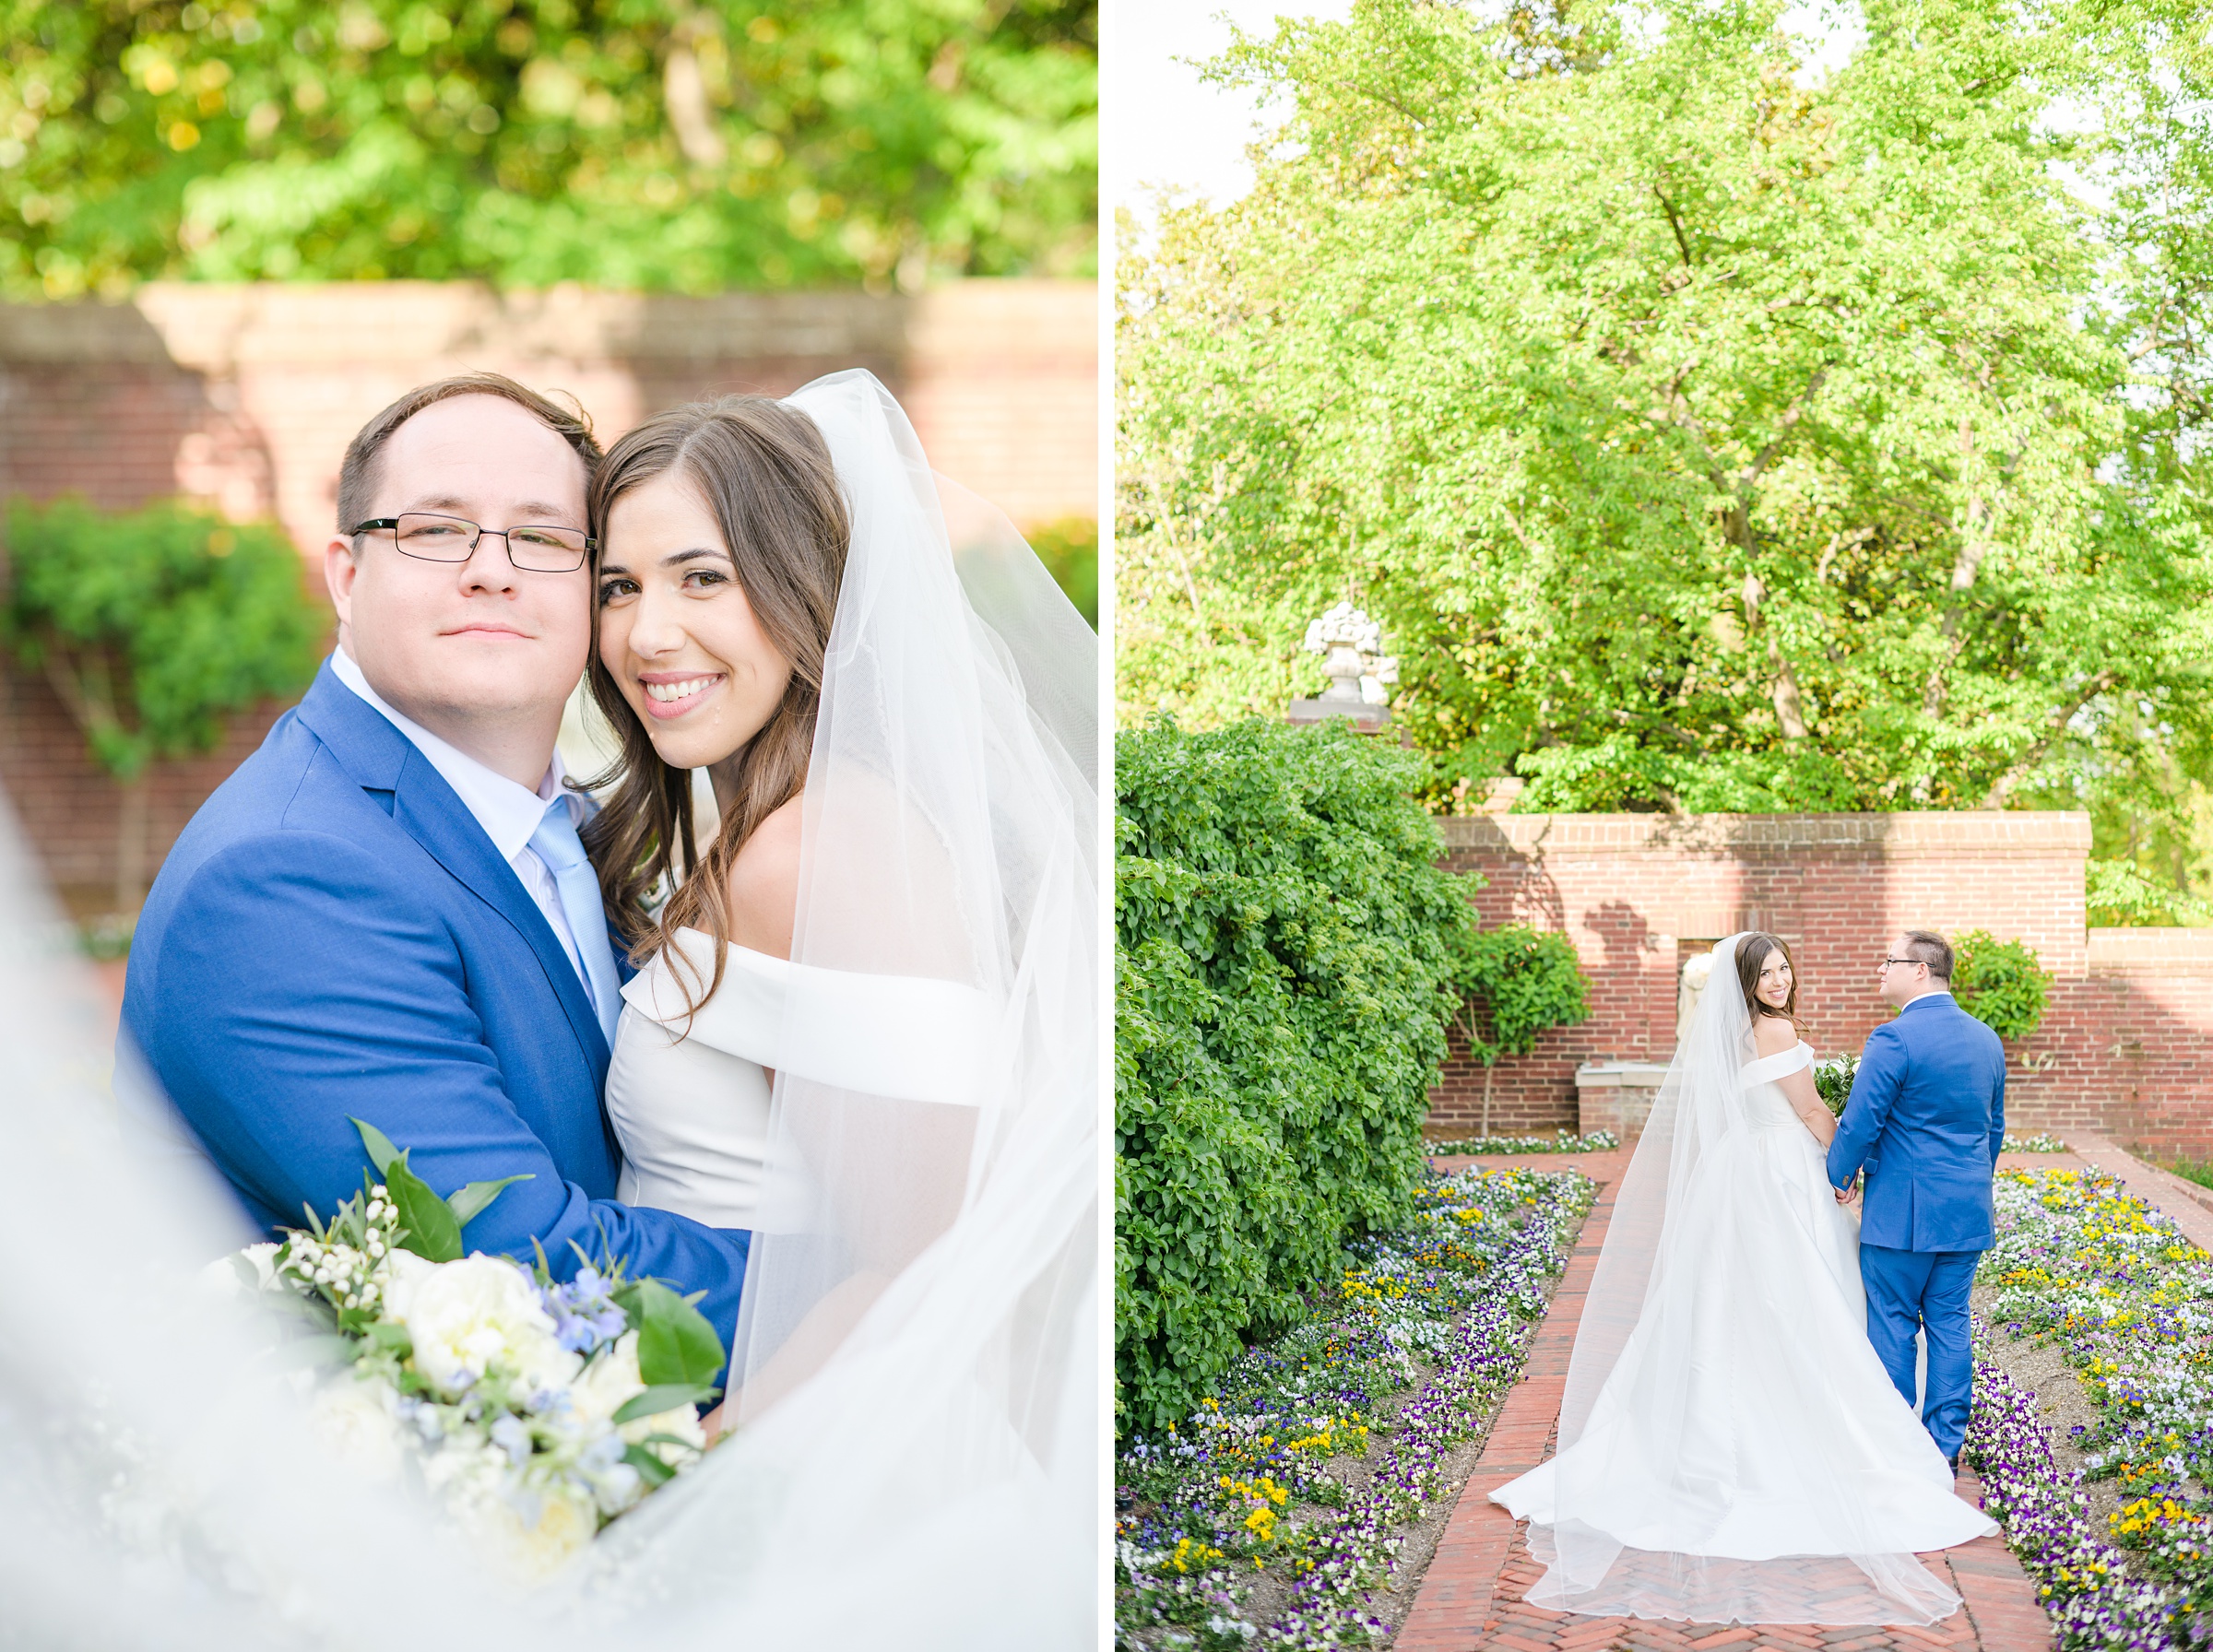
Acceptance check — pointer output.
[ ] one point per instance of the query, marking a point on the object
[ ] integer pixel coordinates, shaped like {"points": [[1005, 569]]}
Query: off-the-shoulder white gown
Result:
{"points": [[689, 1094]]}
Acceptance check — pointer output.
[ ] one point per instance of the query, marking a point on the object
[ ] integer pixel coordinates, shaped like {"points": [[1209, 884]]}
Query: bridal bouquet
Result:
{"points": [[1833, 1082], [534, 1411]]}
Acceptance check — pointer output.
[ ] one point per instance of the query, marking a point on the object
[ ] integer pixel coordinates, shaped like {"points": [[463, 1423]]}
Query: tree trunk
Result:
{"points": [[1489, 1069], [130, 844]]}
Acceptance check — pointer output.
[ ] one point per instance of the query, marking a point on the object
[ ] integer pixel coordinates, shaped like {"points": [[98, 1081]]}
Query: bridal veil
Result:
{"points": [[915, 1376]]}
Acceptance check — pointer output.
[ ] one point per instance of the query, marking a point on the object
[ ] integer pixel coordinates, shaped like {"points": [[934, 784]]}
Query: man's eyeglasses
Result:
{"points": [[1886, 962], [454, 539]]}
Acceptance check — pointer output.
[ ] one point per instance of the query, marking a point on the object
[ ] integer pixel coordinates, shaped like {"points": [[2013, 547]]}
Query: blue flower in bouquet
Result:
{"points": [[583, 1310], [511, 1437]]}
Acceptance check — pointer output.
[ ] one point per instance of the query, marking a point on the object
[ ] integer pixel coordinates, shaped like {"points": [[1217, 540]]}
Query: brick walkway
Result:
{"points": [[1472, 1595]]}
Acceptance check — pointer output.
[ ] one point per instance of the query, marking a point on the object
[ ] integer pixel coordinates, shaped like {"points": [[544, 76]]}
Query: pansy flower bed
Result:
{"points": [[1317, 1448], [2082, 1263], [1598, 1141]]}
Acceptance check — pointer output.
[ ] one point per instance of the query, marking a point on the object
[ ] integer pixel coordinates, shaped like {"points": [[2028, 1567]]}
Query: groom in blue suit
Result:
{"points": [[386, 913], [1925, 1117]]}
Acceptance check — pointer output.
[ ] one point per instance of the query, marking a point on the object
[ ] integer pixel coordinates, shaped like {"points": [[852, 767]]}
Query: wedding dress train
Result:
{"points": [[1731, 1447]]}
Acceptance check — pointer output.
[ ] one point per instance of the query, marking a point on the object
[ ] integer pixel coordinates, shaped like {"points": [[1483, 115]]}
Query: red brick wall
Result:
{"points": [[2127, 1042], [247, 397]]}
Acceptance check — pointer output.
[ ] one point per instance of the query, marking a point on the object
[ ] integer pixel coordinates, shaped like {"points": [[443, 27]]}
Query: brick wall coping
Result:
{"points": [[2150, 952], [2037, 833], [211, 326]]}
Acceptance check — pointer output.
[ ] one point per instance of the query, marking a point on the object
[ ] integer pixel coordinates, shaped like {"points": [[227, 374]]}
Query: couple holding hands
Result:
{"points": [[1769, 1392]]}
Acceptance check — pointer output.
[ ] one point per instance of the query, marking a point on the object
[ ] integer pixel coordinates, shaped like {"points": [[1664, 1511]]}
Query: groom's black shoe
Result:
{"points": [[1955, 1463]]}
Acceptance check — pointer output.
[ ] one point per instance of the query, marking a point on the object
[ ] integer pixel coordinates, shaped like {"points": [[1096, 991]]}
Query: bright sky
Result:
{"points": [[1169, 127]]}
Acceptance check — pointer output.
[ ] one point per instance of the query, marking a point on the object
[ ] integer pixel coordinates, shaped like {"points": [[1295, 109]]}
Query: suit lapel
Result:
{"points": [[381, 759]]}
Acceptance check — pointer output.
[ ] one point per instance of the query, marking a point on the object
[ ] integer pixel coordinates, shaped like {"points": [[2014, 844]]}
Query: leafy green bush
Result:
{"points": [[1070, 550], [153, 626], [1284, 956], [2001, 983]]}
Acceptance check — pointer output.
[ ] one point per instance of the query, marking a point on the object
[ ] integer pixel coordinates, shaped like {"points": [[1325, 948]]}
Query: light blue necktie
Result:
{"points": [[578, 886]]}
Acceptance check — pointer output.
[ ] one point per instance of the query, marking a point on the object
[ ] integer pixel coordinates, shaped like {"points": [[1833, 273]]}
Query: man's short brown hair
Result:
{"points": [[1931, 949], [357, 473]]}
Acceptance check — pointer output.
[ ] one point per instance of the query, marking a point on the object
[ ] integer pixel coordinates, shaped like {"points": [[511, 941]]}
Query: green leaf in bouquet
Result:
{"points": [[381, 1153], [469, 1203], [387, 1338], [295, 1304], [323, 1351], [676, 1343], [665, 1396], [651, 1469], [431, 1231]]}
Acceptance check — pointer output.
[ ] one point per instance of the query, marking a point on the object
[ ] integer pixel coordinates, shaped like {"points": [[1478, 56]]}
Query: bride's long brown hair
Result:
{"points": [[765, 471]]}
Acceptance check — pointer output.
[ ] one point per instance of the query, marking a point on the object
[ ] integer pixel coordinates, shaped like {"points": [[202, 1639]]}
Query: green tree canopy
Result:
{"points": [[1708, 433], [662, 144]]}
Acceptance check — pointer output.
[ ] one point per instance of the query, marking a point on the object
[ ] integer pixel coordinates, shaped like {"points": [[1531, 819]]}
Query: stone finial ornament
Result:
{"points": [[1353, 660]]}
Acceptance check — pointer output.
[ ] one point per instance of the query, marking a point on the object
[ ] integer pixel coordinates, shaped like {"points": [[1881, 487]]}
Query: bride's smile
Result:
{"points": [[677, 632]]}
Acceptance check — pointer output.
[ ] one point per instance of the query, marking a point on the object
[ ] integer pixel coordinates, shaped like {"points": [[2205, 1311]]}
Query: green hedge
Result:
{"points": [[1284, 942]]}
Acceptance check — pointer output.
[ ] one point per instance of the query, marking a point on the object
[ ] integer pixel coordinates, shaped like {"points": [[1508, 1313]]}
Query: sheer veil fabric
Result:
{"points": [[1729, 1446], [916, 1373]]}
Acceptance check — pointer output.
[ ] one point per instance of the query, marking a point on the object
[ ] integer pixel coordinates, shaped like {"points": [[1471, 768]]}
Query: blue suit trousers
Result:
{"points": [[1910, 1291]]}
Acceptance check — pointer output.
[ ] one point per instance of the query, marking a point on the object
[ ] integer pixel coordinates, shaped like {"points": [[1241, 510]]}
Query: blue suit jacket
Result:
{"points": [[334, 935], [1926, 1113]]}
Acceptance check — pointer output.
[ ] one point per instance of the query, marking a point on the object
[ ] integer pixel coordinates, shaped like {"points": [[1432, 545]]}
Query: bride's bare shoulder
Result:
{"points": [[763, 885], [1774, 1035]]}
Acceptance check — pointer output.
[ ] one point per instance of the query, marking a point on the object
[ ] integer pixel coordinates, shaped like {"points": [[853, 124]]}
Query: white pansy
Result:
{"points": [[470, 1315], [354, 1420]]}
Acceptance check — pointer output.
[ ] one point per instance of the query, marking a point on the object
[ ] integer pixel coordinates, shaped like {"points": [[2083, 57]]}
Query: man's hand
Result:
{"points": [[1849, 1196]]}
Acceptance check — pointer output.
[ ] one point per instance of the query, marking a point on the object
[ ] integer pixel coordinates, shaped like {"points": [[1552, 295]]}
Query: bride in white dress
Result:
{"points": [[1730, 1448], [723, 530]]}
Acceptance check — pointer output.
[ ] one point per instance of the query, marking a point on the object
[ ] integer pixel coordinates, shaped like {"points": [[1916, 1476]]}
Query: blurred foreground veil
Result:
{"points": [[916, 1376]]}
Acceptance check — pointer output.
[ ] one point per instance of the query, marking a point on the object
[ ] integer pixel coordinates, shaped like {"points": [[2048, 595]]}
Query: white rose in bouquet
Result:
{"points": [[610, 1382], [536, 1536], [468, 1316], [354, 1420], [227, 1275]]}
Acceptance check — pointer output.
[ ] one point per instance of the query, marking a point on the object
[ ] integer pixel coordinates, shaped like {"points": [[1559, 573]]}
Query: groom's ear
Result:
{"points": [[339, 567]]}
